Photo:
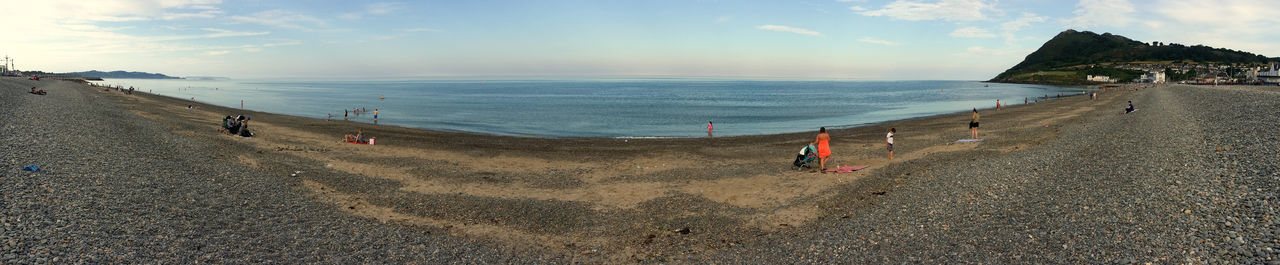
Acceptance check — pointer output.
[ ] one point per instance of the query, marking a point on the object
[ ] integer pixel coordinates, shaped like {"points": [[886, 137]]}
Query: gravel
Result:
{"points": [[117, 188], [1147, 187], [1190, 178]]}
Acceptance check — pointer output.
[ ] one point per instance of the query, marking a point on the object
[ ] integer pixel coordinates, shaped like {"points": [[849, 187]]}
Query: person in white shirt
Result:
{"points": [[889, 140]]}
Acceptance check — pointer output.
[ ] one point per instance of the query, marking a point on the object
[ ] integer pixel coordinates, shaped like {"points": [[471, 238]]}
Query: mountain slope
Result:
{"points": [[1062, 59], [121, 74]]}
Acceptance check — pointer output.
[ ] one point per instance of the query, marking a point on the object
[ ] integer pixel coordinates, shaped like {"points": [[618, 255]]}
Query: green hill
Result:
{"points": [[1071, 55], [121, 74]]}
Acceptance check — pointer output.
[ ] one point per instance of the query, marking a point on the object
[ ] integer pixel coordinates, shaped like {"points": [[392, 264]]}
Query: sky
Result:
{"points": [[832, 39]]}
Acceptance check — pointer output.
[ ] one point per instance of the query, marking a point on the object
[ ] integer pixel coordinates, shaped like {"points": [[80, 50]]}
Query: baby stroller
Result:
{"points": [[804, 160]]}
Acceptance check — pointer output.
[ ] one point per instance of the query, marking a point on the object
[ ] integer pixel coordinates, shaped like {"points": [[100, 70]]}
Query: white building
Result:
{"points": [[1099, 78], [1153, 77], [1270, 74], [1271, 71]]}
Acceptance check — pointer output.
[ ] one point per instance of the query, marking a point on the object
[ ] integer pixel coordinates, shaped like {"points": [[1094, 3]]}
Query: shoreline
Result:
{"points": [[870, 117]]}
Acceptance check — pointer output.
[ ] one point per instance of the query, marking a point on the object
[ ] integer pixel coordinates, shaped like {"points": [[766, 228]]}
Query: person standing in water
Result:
{"points": [[973, 125], [824, 148], [375, 116], [710, 127]]}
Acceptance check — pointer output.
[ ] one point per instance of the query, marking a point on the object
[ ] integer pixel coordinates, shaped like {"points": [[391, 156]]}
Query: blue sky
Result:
{"points": [[834, 39]]}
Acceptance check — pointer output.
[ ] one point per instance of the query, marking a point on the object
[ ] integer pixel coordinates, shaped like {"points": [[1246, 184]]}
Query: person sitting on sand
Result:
{"points": [[356, 138], [1130, 108], [36, 91], [824, 148], [244, 126], [973, 125], [231, 125]]}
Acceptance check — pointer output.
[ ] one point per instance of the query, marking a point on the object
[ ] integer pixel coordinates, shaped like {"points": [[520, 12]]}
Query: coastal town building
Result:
{"points": [[1154, 77], [1270, 74], [1099, 78]]}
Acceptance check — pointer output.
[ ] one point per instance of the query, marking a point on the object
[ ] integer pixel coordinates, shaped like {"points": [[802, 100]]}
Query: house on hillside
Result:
{"points": [[1154, 77], [1099, 78], [1270, 74]]}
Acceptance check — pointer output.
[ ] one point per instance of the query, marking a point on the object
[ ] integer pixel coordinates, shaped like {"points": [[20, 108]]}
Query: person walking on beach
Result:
{"points": [[889, 140], [973, 125], [824, 148]]}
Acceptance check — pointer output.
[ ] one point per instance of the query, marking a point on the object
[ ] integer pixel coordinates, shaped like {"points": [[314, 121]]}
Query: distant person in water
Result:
{"points": [[375, 116], [889, 141], [709, 128], [973, 125], [344, 114], [824, 148]]}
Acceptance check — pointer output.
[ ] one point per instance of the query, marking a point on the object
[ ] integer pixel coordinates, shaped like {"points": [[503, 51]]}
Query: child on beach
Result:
{"points": [[889, 140], [973, 125], [357, 138], [1130, 108], [375, 115], [824, 148]]}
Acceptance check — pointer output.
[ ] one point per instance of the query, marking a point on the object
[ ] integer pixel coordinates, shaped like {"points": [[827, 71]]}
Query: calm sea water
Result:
{"points": [[605, 108]]}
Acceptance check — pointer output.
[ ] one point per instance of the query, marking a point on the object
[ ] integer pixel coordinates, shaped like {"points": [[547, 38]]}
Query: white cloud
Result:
{"points": [[1008, 29], [422, 30], [382, 8], [282, 19], [1239, 24], [373, 9], [972, 32], [206, 13], [947, 10], [217, 52], [877, 41], [857, 8], [219, 33], [351, 16], [790, 29], [1101, 13], [723, 19]]}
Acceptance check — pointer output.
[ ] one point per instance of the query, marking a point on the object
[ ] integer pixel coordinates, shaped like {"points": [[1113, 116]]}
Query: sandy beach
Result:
{"points": [[1188, 179]]}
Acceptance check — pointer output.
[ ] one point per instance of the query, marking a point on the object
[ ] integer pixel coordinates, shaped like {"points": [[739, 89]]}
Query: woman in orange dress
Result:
{"points": [[824, 147]]}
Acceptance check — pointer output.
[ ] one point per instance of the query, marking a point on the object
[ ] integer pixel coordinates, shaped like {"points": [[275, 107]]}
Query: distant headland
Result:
{"points": [[1082, 58], [120, 74]]}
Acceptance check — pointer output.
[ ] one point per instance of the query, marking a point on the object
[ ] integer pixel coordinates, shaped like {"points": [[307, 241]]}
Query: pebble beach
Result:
{"points": [[1188, 179]]}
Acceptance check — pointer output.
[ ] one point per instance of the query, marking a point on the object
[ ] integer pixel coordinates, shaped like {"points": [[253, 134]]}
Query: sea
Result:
{"points": [[604, 108]]}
